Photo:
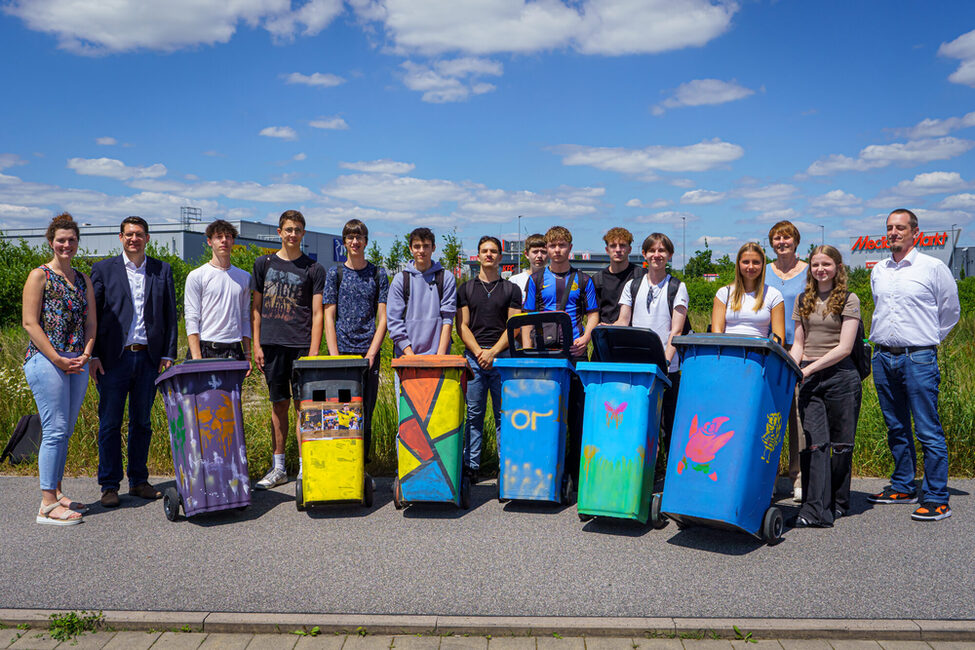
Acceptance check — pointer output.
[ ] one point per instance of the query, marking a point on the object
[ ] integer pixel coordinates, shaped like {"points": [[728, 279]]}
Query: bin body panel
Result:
{"points": [[727, 435], [532, 440], [619, 438], [430, 440], [206, 434]]}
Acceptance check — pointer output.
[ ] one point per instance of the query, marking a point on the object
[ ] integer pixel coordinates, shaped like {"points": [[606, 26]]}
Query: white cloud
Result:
{"points": [[8, 160], [93, 28], [283, 132], [667, 217], [501, 206], [941, 219], [913, 152], [452, 80], [391, 192], [933, 128], [931, 183], [962, 48], [22, 215], [335, 123], [703, 156], [702, 197], [112, 168], [634, 203], [382, 166], [239, 190], [773, 216], [315, 79], [767, 198], [300, 156], [106, 141], [837, 202], [608, 27], [964, 201], [701, 92]]}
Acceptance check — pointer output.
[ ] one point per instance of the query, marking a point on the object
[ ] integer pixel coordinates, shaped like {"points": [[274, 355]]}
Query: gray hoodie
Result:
{"points": [[418, 324]]}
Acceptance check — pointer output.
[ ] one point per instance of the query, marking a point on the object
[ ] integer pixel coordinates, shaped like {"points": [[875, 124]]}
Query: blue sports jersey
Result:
{"points": [[550, 301]]}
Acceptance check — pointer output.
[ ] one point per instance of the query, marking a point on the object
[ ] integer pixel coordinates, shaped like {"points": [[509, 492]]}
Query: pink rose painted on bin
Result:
{"points": [[703, 444]]}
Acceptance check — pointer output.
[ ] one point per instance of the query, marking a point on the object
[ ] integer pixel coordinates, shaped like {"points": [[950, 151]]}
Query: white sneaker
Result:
{"points": [[272, 479], [797, 494]]}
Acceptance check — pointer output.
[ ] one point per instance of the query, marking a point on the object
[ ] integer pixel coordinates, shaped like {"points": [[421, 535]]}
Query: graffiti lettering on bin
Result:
{"points": [[330, 416], [773, 433], [703, 444], [177, 426], [522, 419]]}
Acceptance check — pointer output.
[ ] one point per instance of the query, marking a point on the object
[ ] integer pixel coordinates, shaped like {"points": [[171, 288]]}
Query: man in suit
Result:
{"points": [[135, 300]]}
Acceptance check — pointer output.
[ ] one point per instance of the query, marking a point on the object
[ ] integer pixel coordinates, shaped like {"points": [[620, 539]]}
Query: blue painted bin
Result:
{"points": [[732, 411], [532, 440], [619, 439]]}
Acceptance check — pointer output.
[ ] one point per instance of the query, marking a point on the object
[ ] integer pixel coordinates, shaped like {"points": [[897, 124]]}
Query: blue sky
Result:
{"points": [[653, 114]]}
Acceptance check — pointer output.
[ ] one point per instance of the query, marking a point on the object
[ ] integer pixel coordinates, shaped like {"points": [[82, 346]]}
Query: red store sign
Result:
{"points": [[864, 243]]}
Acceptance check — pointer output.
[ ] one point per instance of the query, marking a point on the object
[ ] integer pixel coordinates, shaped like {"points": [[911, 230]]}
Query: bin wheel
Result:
{"points": [[299, 497], [657, 519], [565, 495], [465, 493], [397, 499], [171, 503], [241, 508], [772, 525], [369, 490], [584, 517]]}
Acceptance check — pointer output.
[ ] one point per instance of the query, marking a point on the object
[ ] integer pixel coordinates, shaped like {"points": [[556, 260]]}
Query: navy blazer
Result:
{"points": [[113, 302]]}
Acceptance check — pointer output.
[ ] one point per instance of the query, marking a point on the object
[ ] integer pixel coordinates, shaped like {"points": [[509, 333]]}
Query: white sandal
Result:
{"points": [[66, 518], [77, 506]]}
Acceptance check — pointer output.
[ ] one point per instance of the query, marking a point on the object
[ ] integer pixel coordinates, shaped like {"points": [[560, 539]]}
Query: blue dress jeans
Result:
{"points": [[133, 377], [58, 397], [907, 385], [478, 388]]}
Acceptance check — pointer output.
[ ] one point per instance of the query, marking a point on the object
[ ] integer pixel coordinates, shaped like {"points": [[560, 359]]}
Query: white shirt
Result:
{"points": [[216, 304], [915, 301], [748, 321], [521, 280], [137, 286], [658, 318]]}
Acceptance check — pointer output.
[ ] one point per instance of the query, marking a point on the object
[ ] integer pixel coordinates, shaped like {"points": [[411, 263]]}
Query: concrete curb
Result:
{"points": [[767, 628]]}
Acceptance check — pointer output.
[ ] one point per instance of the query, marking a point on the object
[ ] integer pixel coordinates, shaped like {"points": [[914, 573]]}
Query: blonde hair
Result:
{"points": [[558, 233], [737, 292], [837, 297]]}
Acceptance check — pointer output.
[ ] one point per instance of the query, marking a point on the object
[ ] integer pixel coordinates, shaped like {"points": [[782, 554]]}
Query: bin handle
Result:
{"points": [[535, 319]]}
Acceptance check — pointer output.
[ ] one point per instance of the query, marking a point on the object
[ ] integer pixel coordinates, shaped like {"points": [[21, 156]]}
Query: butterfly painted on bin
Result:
{"points": [[614, 414]]}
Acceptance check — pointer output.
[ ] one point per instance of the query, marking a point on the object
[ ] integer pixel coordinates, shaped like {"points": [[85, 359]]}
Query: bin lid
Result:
{"points": [[430, 361], [337, 361], [204, 366], [604, 367], [628, 345], [534, 362], [738, 341]]}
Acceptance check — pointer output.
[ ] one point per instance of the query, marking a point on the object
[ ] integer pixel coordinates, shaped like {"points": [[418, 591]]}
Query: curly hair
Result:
{"points": [[837, 297], [63, 221]]}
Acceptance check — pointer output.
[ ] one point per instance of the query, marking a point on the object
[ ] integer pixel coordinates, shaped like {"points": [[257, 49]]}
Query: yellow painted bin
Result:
{"points": [[330, 421]]}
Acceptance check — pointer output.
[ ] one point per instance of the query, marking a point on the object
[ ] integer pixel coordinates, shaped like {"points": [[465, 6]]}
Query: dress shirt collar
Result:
{"points": [[907, 260], [129, 264]]}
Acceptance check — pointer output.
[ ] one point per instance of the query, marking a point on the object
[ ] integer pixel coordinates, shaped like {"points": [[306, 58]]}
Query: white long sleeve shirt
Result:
{"points": [[136, 276], [915, 301], [216, 304]]}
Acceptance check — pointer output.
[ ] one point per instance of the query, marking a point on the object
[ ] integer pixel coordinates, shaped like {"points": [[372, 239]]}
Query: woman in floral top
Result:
{"points": [[62, 334]]}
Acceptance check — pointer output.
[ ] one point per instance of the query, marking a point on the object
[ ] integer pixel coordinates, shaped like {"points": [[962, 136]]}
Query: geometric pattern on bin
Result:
{"points": [[702, 445], [425, 411]]}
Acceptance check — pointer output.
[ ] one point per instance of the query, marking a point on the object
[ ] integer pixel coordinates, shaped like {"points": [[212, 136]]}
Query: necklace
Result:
{"points": [[484, 285], [222, 268]]}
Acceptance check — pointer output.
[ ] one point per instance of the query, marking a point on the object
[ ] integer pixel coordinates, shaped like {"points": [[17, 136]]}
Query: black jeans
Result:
{"points": [[829, 405], [233, 351]]}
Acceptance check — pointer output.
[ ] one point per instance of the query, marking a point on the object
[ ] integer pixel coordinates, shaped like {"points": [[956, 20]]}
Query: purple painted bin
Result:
{"points": [[206, 436]]}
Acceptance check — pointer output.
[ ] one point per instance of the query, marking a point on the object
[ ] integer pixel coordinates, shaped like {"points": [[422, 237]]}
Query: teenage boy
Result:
{"points": [[359, 326], [217, 301], [611, 280], [422, 301], [537, 256], [658, 302], [560, 287], [484, 305], [287, 324]]}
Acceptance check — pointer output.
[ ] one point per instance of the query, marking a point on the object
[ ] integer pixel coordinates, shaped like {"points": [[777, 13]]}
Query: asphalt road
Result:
{"points": [[490, 560]]}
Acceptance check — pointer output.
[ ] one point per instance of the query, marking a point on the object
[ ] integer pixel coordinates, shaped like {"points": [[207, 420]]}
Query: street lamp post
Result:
{"points": [[683, 253], [822, 229]]}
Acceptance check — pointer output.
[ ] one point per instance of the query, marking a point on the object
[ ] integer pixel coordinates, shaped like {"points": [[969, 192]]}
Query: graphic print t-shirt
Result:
{"points": [[287, 288], [356, 302]]}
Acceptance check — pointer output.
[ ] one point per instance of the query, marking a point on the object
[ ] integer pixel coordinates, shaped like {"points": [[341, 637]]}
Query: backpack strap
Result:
{"points": [[583, 280], [406, 290], [673, 286], [438, 278], [538, 279]]}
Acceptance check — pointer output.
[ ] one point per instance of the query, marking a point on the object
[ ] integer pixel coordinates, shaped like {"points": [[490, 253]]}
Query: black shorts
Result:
{"points": [[279, 362]]}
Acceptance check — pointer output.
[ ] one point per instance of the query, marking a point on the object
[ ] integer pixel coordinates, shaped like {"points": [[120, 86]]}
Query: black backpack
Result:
{"points": [[862, 353], [538, 277], [673, 286], [438, 278], [25, 440]]}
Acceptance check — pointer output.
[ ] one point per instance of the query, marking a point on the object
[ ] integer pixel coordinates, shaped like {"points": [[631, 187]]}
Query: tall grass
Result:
{"points": [[871, 455]]}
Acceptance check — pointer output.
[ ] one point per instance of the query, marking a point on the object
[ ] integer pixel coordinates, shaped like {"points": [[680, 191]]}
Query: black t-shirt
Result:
{"points": [[488, 303], [609, 288], [287, 288]]}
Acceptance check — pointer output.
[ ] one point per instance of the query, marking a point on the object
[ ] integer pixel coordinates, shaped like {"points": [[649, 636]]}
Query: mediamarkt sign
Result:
{"points": [[864, 243]]}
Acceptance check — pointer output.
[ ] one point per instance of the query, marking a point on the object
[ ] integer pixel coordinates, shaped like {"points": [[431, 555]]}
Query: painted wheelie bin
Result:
{"points": [[534, 410], [206, 436], [430, 439], [731, 414], [620, 430], [330, 421]]}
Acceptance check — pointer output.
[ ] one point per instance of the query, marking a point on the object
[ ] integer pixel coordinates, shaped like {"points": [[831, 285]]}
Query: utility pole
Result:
{"points": [[823, 239], [683, 253]]}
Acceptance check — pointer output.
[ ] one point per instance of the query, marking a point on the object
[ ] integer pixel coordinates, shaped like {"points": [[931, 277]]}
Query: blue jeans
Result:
{"points": [[58, 397], [484, 382], [907, 385], [133, 377]]}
